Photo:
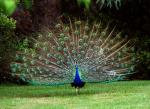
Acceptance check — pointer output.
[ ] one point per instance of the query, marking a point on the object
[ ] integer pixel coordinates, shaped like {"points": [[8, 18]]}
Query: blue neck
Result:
{"points": [[77, 78]]}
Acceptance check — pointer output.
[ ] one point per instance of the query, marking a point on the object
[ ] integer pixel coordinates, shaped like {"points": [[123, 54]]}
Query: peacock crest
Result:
{"points": [[76, 52]]}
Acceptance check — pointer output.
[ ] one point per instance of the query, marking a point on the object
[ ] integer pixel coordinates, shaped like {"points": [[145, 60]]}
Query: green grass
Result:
{"points": [[116, 95]]}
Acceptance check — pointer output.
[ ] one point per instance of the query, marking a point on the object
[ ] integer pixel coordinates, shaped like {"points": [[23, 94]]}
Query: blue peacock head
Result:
{"points": [[81, 51]]}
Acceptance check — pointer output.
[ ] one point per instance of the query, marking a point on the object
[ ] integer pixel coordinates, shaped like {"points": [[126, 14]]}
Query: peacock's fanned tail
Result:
{"points": [[99, 54]]}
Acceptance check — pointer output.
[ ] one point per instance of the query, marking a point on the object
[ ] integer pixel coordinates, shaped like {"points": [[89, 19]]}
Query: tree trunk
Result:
{"points": [[46, 12]]}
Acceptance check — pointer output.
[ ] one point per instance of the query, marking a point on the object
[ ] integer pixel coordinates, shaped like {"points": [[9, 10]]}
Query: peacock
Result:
{"points": [[76, 53]]}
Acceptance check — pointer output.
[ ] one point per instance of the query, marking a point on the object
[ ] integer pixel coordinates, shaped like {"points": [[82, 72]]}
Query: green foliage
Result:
{"points": [[110, 3], [7, 40], [6, 22], [7, 26], [86, 3], [24, 46], [27, 3], [8, 6], [143, 51]]}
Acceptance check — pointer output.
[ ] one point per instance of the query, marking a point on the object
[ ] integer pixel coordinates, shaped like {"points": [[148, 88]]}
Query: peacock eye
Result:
{"points": [[78, 22], [86, 28], [66, 29], [91, 42], [85, 37], [59, 48], [47, 62], [62, 42], [72, 43], [73, 51], [36, 45], [66, 38], [33, 62], [77, 32], [24, 58], [17, 57], [97, 25], [49, 55], [50, 35], [79, 56], [62, 35], [58, 26], [103, 33], [58, 62], [94, 34], [65, 49], [25, 65], [80, 41], [40, 36], [45, 49], [40, 58], [85, 44], [82, 52], [80, 47]]}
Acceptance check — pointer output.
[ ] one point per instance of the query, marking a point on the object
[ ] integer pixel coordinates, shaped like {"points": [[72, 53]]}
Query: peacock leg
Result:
{"points": [[77, 90]]}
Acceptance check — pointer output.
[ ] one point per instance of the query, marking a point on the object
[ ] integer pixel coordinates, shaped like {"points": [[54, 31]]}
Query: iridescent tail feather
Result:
{"points": [[99, 54]]}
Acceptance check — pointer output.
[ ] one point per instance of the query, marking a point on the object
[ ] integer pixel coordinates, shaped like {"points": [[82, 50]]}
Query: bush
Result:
{"points": [[7, 40], [143, 52], [7, 23]]}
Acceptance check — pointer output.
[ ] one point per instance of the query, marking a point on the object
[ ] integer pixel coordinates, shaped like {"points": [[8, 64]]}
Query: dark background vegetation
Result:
{"points": [[133, 17]]}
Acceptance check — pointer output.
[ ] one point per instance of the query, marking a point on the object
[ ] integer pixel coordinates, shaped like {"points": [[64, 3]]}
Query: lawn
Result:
{"points": [[116, 95]]}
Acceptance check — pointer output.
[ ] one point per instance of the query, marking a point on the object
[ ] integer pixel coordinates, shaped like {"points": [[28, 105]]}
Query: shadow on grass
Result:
{"points": [[67, 91], [61, 94], [54, 93]]}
